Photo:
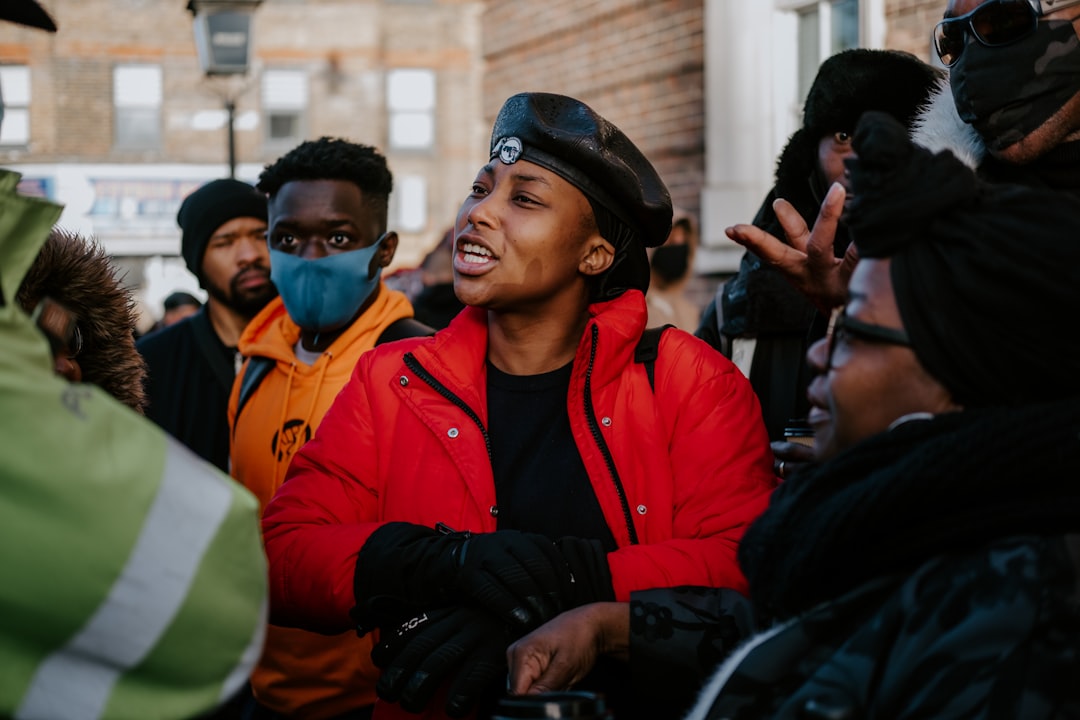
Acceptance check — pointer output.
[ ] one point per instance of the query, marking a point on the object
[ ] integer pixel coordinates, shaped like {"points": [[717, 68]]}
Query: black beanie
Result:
{"points": [[208, 208]]}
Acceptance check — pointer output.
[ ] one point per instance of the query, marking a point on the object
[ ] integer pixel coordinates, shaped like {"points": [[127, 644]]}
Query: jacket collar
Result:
{"points": [[457, 355]]}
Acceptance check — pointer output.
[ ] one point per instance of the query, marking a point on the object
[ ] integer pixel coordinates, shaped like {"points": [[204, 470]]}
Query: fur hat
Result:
{"points": [[854, 81], [847, 85], [208, 208], [77, 273]]}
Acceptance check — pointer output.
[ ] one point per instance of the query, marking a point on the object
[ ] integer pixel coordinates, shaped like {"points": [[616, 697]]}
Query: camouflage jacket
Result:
{"points": [[993, 632]]}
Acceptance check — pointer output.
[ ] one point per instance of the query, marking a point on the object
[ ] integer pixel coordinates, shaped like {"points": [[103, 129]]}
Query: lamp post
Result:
{"points": [[223, 43]]}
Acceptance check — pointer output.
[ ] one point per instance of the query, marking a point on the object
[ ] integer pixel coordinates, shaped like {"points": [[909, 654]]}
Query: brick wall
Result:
{"points": [[909, 24], [345, 47], [639, 64]]}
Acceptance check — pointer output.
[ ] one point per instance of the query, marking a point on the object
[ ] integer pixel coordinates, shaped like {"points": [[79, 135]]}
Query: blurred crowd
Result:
{"points": [[531, 477]]}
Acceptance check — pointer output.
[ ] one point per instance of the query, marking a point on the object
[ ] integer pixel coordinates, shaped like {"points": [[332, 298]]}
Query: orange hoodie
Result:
{"points": [[302, 674]]}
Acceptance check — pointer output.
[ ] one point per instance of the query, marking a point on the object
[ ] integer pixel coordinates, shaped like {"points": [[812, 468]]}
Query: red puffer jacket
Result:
{"points": [[679, 472]]}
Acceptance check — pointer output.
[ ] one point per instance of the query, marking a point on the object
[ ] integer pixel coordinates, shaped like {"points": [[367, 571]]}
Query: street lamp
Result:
{"points": [[223, 43]]}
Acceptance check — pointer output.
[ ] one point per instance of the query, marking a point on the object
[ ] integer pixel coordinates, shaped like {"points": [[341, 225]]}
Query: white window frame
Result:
{"points": [[15, 93], [409, 204], [137, 93], [411, 99], [871, 34], [285, 94]]}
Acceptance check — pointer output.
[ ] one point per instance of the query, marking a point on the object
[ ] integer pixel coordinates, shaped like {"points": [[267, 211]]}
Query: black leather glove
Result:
{"points": [[409, 564], [524, 578], [521, 577], [463, 645]]}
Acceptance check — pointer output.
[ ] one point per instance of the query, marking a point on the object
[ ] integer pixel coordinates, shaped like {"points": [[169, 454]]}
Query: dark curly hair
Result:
{"points": [[332, 159]]}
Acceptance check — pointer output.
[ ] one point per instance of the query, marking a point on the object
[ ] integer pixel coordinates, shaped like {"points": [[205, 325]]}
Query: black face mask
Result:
{"points": [[671, 262], [1007, 92]]}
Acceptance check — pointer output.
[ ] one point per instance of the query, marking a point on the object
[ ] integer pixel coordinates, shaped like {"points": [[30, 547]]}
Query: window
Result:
{"points": [[137, 100], [410, 200], [15, 94], [284, 97], [410, 100], [825, 27]]}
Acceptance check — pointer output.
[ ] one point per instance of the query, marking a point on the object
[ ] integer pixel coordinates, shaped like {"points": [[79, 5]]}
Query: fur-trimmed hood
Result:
{"points": [[77, 273], [938, 127]]}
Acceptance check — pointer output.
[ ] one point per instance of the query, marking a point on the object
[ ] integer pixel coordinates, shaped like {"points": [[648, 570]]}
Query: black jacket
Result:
{"points": [[930, 571], [190, 376], [759, 302]]}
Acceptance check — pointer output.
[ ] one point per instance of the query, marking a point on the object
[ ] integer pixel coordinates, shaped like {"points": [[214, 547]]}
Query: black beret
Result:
{"points": [[208, 208], [568, 138]]}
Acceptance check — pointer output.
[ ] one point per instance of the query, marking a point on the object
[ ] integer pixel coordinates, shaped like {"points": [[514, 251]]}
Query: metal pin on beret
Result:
{"points": [[570, 139]]}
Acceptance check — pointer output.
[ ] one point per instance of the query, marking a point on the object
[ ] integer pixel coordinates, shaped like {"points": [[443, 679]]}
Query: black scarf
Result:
{"points": [[925, 488]]}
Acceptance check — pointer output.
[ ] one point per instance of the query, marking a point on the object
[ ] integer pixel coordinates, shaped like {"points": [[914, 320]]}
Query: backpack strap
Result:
{"points": [[648, 349], [256, 369], [259, 367], [404, 328]]}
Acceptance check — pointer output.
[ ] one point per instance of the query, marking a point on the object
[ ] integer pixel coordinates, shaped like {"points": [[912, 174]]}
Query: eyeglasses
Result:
{"points": [[994, 24], [843, 326], [60, 326]]}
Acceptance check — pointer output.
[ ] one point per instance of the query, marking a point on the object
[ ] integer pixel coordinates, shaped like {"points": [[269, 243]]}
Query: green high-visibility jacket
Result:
{"points": [[132, 576]]}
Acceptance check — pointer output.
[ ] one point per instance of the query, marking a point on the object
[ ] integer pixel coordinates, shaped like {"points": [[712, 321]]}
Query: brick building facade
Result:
{"points": [[122, 122], [638, 63], [678, 75], [710, 90]]}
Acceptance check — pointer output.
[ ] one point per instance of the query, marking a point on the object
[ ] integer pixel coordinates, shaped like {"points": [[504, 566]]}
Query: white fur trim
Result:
{"points": [[938, 127]]}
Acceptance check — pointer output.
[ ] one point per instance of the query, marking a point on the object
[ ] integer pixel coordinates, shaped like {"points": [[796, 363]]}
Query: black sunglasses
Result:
{"points": [[842, 325], [994, 24]]}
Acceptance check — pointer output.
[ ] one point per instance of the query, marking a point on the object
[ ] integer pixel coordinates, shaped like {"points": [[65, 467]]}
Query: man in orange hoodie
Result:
{"points": [[328, 244]]}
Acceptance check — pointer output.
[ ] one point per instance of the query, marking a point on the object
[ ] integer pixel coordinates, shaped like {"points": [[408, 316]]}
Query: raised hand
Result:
{"points": [[808, 262]]}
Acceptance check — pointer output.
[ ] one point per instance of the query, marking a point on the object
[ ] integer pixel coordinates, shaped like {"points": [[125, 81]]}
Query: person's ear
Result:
{"points": [[385, 254], [67, 367], [599, 255]]}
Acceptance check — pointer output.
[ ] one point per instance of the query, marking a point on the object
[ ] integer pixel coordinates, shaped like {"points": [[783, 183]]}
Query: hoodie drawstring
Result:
{"points": [[281, 426], [278, 457]]}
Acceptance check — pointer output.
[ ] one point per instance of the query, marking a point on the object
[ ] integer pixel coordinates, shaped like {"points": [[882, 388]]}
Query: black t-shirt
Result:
{"points": [[540, 481], [541, 486]]}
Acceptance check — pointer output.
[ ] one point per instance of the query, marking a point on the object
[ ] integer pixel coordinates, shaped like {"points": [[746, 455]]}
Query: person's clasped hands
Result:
{"points": [[448, 604]]}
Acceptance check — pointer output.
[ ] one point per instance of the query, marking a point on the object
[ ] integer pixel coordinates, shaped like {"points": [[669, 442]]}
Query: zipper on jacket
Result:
{"points": [[594, 427], [421, 372]]}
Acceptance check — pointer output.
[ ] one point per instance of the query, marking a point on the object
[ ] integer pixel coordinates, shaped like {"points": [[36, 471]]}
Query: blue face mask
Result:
{"points": [[324, 294]]}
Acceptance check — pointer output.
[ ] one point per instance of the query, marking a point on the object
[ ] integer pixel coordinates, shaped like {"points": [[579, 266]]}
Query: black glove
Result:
{"points": [[524, 578], [521, 577], [422, 653], [409, 564]]}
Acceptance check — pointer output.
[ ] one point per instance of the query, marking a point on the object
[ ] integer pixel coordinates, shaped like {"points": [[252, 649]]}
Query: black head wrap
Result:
{"points": [[985, 275]]}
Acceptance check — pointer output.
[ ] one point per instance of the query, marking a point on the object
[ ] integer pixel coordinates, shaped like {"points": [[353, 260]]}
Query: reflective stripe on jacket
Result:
{"points": [[132, 580]]}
